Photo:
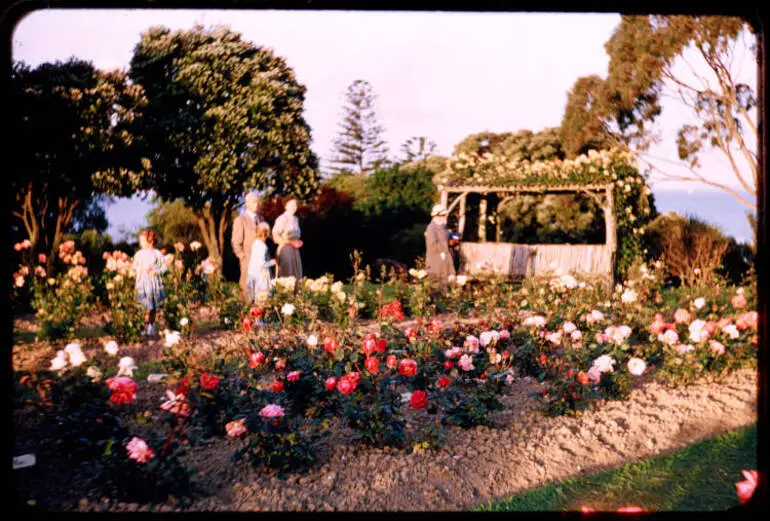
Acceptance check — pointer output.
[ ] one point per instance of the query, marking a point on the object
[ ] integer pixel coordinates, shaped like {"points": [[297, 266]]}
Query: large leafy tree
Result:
{"points": [[524, 144], [174, 222], [224, 116], [359, 147], [72, 125], [687, 58]]}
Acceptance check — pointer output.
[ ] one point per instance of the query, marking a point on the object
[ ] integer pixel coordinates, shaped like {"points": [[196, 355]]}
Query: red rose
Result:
{"points": [[123, 389], [443, 382], [331, 383], [330, 345], [407, 367], [410, 333], [256, 312], [209, 381], [483, 376], [372, 365], [41, 258], [368, 347], [392, 361], [276, 386], [419, 400], [280, 365], [543, 359], [570, 373], [353, 375], [248, 324], [347, 385], [582, 378], [382, 345], [370, 336], [183, 387], [256, 359], [448, 365]]}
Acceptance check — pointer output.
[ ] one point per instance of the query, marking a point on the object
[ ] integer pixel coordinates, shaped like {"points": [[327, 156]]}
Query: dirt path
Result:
{"points": [[482, 464]]}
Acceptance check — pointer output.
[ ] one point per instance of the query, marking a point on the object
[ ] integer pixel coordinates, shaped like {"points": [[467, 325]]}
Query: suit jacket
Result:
{"points": [[244, 234]]}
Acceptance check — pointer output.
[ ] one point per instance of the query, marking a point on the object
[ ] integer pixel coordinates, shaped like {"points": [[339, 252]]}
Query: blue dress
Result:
{"points": [[149, 287], [258, 280]]}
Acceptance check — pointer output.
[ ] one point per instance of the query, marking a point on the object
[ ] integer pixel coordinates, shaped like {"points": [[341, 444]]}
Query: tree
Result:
{"points": [[689, 58], [417, 149], [223, 116], [74, 141], [359, 147], [90, 215], [524, 144], [174, 222]]}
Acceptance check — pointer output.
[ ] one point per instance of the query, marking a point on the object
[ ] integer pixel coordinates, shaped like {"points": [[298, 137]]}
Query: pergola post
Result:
{"points": [[461, 223], [609, 225], [483, 218], [444, 196]]}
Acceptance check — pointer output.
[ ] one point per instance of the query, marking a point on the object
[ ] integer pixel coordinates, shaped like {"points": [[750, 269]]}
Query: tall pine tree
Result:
{"points": [[359, 148]]}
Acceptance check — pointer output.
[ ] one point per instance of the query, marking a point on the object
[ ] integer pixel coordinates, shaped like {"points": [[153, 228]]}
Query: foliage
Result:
{"points": [[691, 249], [359, 148], [417, 149], [126, 314], [74, 142], [174, 222], [518, 146], [222, 113], [646, 53]]}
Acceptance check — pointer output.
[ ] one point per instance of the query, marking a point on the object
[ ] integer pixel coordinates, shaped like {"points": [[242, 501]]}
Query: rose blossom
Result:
{"points": [[684, 348], [111, 348], [453, 353], [184, 322], [171, 338], [391, 361], [628, 296], [698, 332], [293, 376], [443, 382], [256, 359], [331, 383], [487, 337], [682, 316], [466, 363], [347, 385], [407, 367], [209, 381], [372, 365], [504, 334], [717, 347], [330, 345], [731, 331], [235, 428], [368, 347], [287, 309], [569, 327], [139, 450], [448, 364], [582, 378], [601, 337], [604, 363], [276, 386], [554, 338], [60, 362], [594, 373], [123, 389], [699, 302], [75, 353], [594, 316], [670, 337], [636, 366], [745, 489], [738, 301], [312, 341], [280, 364], [176, 404], [576, 335], [94, 373], [472, 344], [419, 400], [382, 345], [272, 411], [126, 366]]}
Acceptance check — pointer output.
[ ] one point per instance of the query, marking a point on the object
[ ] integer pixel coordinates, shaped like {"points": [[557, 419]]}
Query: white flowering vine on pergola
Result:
{"points": [[598, 174]]}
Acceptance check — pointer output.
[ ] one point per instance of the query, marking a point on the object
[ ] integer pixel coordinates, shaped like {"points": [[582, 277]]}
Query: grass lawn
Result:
{"points": [[699, 477]]}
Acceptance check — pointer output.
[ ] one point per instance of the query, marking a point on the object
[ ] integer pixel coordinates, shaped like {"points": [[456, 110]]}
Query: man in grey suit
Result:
{"points": [[244, 234], [438, 257]]}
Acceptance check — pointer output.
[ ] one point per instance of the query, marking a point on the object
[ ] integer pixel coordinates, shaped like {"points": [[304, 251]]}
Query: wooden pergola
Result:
{"points": [[521, 260]]}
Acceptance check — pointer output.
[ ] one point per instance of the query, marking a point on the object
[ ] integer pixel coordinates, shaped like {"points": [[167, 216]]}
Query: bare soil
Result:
{"points": [[526, 449]]}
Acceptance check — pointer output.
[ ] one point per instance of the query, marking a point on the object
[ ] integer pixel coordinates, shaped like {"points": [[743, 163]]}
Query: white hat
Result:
{"points": [[438, 209]]}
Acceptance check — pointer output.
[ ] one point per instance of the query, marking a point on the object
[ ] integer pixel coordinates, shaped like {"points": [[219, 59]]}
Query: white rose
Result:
{"points": [[604, 363], [461, 280], [312, 340], [636, 366], [287, 309], [60, 362], [337, 287], [94, 373], [126, 366], [171, 338], [699, 302], [628, 296], [569, 327], [184, 322], [111, 347]]}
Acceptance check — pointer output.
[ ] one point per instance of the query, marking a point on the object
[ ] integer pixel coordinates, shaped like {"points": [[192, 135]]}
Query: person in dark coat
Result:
{"points": [[438, 257]]}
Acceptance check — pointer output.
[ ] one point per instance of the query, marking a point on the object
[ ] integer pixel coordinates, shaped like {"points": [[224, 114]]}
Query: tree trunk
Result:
{"points": [[207, 226]]}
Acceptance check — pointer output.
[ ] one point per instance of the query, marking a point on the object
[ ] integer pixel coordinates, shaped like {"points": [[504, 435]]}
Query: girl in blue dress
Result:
{"points": [[149, 264], [259, 282]]}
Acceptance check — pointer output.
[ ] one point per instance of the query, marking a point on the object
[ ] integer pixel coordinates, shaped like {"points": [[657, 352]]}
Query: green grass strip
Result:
{"points": [[699, 477]]}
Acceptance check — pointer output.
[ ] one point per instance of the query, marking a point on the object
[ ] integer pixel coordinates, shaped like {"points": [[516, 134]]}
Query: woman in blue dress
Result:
{"points": [[149, 264]]}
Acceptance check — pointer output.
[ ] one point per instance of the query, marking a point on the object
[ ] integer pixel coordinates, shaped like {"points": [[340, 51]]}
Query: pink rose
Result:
{"points": [[293, 376], [745, 489], [236, 428], [595, 374], [466, 363], [453, 353], [272, 411], [331, 383], [670, 337], [682, 316], [472, 344], [123, 389], [738, 301], [504, 334], [139, 450], [717, 347]]}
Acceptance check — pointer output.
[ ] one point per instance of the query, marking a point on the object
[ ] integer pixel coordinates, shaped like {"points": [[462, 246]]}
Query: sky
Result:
{"points": [[436, 74]]}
